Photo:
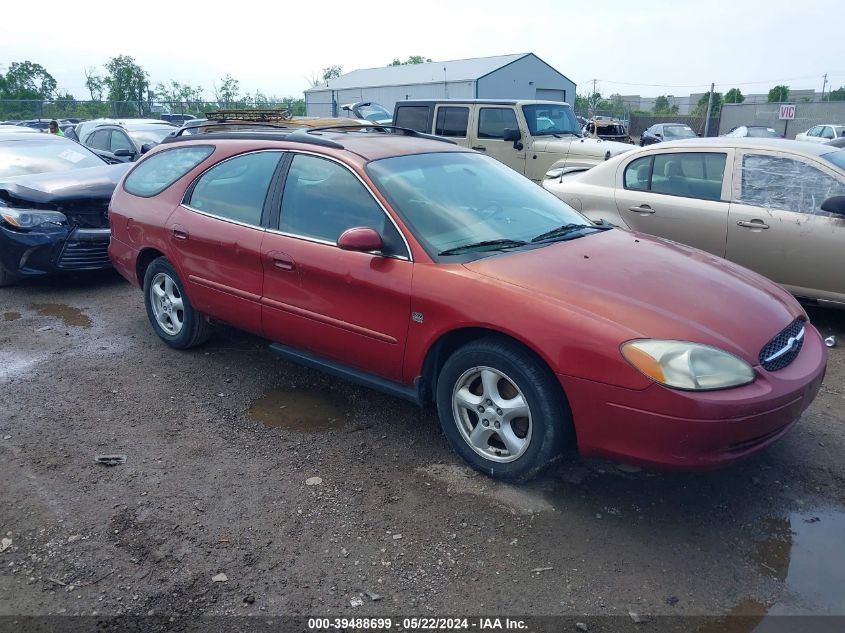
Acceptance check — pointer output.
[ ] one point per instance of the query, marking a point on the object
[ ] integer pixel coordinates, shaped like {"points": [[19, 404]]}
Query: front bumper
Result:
{"points": [[674, 429], [51, 250]]}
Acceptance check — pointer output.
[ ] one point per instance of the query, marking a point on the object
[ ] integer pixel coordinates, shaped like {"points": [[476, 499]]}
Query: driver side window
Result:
{"points": [[322, 199]]}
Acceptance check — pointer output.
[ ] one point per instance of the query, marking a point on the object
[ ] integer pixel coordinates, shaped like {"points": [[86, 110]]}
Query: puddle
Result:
{"points": [[11, 316], [299, 410], [68, 314]]}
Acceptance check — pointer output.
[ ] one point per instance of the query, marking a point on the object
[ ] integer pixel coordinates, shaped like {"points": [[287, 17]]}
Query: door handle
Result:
{"points": [[754, 224], [643, 208], [282, 261], [480, 148], [179, 232]]}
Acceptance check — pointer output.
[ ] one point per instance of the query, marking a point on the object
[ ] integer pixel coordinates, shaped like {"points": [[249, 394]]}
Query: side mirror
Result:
{"points": [[658, 135], [146, 147], [124, 153], [360, 238], [834, 204], [513, 134]]}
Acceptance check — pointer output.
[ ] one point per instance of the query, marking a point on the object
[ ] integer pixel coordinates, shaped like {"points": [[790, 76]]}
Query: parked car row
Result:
{"points": [[430, 269]]}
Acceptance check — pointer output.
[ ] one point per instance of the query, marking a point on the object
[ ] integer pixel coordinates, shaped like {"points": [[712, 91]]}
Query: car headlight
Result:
{"points": [[557, 172], [29, 218], [684, 365]]}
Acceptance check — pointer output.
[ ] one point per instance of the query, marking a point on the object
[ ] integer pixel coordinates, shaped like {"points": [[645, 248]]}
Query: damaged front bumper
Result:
{"points": [[53, 249]]}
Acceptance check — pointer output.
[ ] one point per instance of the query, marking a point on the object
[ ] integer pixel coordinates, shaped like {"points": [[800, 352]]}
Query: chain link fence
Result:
{"points": [[639, 124], [22, 110], [807, 115]]}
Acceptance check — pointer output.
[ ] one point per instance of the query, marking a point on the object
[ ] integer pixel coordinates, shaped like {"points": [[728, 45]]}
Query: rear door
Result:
{"points": [[216, 235], [682, 196], [777, 227], [488, 136]]}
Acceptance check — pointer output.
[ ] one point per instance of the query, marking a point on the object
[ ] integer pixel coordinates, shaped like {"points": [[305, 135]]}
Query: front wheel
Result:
{"points": [[168, 309], [502, 410]]}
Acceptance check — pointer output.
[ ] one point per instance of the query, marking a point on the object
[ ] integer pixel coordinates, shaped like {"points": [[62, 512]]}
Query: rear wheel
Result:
{"points": [[502, 409], [169, 310]]}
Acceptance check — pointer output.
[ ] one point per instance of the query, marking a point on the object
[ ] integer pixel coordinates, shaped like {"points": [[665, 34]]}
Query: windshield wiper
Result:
{"points": [[491, 244], [557, 133], [566, 229]]}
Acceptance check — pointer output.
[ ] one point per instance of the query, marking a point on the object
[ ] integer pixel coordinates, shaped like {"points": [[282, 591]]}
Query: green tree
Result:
{"points": [[413, 59], [128, 85], [227, 93], [582, 104], [715, 108], [734, 95], [836, 95], [332, 72], [27, 80], [778, 94], [661, 105]]}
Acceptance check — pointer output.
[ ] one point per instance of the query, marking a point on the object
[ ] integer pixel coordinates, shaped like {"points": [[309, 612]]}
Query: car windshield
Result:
{"points": [[548, 119], [18, 158], [611, 130], [453, 200], [762, 132], [678, 131], [152, 135], [837, 158]]}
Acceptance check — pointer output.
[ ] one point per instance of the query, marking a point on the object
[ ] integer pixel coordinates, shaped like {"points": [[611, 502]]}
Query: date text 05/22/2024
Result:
{"points": [[416, 624]]}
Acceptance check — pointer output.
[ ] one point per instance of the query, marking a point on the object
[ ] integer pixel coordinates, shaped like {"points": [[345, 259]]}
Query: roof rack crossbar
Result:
{"points": [[375, 126]]}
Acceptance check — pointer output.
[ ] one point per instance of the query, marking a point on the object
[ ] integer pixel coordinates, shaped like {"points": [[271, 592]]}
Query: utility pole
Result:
{"points": [[709, 107], [824, 84]]}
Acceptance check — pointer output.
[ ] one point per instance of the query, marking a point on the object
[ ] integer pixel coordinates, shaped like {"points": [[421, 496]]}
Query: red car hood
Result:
{"points": [[647, 287]]}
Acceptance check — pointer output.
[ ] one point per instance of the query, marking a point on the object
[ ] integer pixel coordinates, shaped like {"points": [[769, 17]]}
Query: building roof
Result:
{"points": [[428, 73]]}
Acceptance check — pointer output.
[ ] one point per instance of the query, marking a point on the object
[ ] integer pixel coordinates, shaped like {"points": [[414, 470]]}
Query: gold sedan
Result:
{"points": [[772, 205]]}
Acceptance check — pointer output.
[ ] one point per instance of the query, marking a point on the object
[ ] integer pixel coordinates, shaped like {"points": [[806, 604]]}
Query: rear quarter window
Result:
{"points": [[156, 173], [413, 117]]}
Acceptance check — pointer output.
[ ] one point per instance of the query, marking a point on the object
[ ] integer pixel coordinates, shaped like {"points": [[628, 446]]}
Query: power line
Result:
{"points": [[720, 84]]}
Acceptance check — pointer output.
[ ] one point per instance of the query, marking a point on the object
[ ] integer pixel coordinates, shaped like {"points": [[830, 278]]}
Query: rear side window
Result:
{"points": [[452, 122], [236, 188], [637, 174], [156, 173], [412, 117], [687, 174]]}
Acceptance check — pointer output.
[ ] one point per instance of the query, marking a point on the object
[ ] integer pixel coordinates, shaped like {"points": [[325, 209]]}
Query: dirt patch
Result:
{"points": [[11, 316]]}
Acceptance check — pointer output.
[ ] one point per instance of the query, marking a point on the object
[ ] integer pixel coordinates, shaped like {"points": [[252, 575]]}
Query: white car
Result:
{"points": [[821, 133], [763, 203]]}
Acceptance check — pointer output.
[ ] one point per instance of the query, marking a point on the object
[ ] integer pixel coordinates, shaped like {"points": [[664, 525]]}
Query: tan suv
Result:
{"points": [[536, 138]]}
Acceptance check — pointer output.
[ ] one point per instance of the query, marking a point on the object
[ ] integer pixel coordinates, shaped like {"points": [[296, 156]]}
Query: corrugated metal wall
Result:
{"points": [[319, 103], [807, 115], [522, 79]]}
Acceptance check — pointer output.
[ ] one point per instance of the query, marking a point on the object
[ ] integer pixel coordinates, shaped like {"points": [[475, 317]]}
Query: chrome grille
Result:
{"points": [[783, 348]]}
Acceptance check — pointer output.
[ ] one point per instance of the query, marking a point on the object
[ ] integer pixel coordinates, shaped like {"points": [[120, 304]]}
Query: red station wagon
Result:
{"points": [[439, 275]]}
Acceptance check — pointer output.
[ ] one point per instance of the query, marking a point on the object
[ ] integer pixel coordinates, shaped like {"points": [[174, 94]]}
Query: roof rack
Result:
{"points": [[257, 116], [243, 125], [378, 127]]}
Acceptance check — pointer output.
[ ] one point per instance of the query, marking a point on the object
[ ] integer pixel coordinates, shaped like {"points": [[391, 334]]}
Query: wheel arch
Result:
{"points": [[146, 257], [446, 344]]}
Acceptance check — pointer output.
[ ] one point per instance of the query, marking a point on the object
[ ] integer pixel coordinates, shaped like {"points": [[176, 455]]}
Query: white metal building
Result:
{"points": [[520, 76]]}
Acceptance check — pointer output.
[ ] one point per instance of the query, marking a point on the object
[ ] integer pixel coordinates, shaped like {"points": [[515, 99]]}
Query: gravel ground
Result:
{"points": [[226, 506]]}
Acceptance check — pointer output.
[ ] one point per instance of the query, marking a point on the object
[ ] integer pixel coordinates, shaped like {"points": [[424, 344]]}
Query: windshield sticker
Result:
{"points": [[71, 156]]}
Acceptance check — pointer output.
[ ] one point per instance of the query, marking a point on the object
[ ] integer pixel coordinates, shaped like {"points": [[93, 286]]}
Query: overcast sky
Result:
{"points": [[274, 47]]}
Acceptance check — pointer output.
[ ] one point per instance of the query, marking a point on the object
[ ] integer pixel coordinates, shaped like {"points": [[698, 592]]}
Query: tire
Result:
{"points": [[521, 446], [169, 310], [7, 278]]}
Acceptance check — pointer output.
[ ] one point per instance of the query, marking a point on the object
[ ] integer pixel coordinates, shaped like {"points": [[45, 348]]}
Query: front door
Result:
{"points": [[488, 136], [216, 236], [777, 227], [682, 196], [350, 307]]}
